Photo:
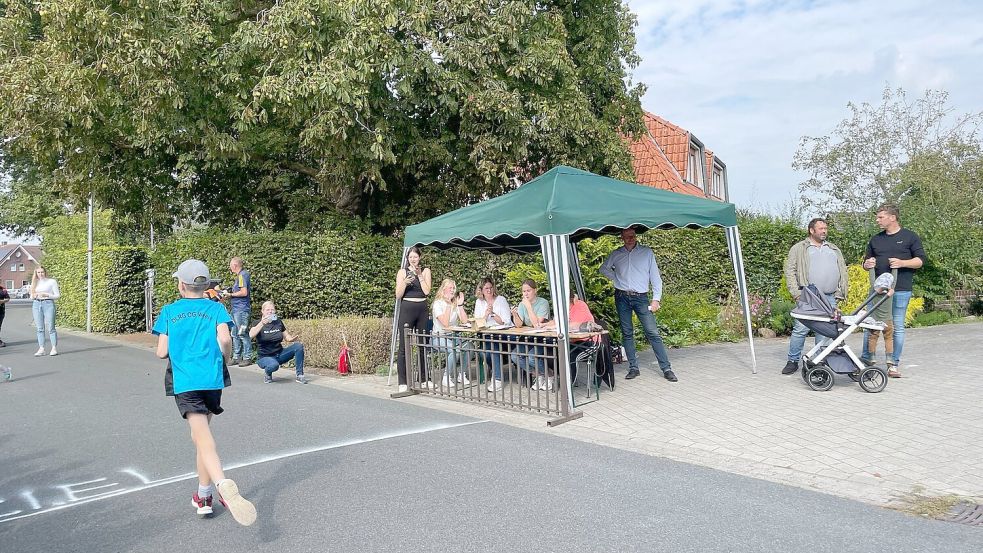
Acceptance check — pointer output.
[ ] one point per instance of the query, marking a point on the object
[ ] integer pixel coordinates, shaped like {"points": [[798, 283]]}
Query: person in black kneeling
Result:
{"points": [[269, 333]]}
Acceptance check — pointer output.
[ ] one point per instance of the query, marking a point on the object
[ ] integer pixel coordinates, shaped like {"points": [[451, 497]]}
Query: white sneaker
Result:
{"points": [[428, 385], [494, 385], [549, 384], [463, 379], [540, 384], [53, 352], [403, 388], [447, 381], [39, 352]]}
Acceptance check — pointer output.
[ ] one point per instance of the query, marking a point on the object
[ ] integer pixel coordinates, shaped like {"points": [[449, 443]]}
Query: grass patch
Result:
{"points": [[917, 503]]}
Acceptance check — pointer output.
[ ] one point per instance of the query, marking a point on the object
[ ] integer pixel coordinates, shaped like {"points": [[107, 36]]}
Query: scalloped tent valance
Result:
{"points": [[566, 201]]}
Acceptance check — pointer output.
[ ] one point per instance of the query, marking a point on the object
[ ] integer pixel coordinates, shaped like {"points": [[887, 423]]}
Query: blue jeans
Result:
{"points": [[799, 333], [898, 310], [493, 357], [293, 351], [448, 345], [639, 304], [242, 344], [44, 319], [527, 357]]}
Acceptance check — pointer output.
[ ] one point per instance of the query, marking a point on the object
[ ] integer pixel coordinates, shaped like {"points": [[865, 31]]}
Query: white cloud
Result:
{"points": [[750, 78]]}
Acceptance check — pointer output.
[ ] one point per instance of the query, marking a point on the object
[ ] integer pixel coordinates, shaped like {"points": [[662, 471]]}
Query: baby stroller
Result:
{"points": [[832, 355]]}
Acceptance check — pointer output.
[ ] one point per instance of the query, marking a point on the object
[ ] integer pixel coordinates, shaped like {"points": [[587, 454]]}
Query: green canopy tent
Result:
{"points": [[554, 211]]}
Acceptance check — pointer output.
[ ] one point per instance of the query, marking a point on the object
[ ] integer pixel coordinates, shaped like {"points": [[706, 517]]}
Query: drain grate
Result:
{"points": [[967, 513]]}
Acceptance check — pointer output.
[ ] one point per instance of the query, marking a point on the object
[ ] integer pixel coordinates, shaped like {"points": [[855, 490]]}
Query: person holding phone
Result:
{"points": [[269, 333], [412, 287]]}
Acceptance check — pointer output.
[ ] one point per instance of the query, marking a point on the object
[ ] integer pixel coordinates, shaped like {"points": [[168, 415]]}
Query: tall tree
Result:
{"points": [[860, 163], [297, 111]]}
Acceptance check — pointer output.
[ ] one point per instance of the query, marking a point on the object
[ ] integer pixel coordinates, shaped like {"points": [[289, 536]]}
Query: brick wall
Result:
{"points": [[960, 299]]}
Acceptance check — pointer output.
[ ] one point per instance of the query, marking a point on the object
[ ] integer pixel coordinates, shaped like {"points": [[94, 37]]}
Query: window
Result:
{"points": [[20, 267], [17, 254], [9, 284], [694, 165], [13, 267]]}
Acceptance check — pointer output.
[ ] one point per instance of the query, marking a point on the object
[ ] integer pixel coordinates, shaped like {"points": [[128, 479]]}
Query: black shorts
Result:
{"points": [[199, 401]]}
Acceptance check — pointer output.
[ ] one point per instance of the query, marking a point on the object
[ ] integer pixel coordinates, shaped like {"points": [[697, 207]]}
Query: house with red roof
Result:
{"points": [[670, 157], [17, 263]]}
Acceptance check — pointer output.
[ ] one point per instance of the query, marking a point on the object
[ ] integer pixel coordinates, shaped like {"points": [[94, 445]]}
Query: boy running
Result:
{"points": [[193, 334]]}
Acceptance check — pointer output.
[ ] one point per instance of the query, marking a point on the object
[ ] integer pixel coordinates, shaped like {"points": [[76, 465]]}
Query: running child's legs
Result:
{"points": [[209, 465]]}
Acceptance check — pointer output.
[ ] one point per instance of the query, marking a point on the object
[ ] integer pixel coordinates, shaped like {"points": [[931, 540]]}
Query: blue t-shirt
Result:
{"points": [[241, 282], [195, 357], [539, 305]]}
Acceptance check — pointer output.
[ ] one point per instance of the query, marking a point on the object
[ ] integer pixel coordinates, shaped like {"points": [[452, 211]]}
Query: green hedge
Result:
{"points": [[117, 287]]}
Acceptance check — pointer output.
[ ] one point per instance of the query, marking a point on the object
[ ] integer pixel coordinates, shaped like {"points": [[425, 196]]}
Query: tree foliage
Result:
{"points": [[302, 112], [860, 164]]}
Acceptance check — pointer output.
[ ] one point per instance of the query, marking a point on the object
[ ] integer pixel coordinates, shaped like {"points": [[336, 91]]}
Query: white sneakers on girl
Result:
{"points": [[39, 352], [53, 352]]}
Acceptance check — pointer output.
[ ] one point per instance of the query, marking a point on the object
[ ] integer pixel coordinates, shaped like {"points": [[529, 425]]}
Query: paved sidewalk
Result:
{"points": [[923, 434]]}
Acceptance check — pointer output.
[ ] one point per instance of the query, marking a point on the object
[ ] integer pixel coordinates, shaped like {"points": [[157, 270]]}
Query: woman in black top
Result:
{"points": [[270, 332], [412, 287]]}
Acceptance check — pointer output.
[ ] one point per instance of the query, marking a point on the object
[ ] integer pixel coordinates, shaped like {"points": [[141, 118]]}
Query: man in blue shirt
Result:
{"points": [[634, 271], [242, 345]]}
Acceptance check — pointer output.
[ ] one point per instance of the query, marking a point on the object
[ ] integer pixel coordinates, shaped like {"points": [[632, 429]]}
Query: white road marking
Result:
{"points": [[58, 506]]}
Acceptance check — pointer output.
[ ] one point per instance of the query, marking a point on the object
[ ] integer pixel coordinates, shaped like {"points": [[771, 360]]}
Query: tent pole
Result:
{"points": [[556, 249], [734, 245], [578, 276], [395, 335]]}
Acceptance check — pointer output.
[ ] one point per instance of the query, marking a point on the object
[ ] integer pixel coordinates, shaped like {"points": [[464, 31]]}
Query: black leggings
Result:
{"points": [[414, 314]]}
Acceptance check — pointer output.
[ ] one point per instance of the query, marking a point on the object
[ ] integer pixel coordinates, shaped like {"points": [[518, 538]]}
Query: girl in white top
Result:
{"points": [[494, 310], [44, 292], [448, 310], [490, 307]]}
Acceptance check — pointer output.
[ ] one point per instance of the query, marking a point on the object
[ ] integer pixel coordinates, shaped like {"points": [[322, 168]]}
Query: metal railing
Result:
{"points": [[515, 372]]}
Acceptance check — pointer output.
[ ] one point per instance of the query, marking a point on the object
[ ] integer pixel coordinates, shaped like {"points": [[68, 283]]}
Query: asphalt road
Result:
{"points": [[95, 458]]}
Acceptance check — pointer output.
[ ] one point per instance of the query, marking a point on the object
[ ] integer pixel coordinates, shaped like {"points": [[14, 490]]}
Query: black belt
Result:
{"points": [[630, 293]]}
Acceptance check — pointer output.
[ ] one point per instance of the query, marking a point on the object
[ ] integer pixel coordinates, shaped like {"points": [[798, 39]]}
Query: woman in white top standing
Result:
{"points": [[494, 310], [44, 292], [448, 310]]}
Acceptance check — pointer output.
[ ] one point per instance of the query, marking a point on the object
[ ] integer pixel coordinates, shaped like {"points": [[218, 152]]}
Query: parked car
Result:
{"points": [[21, 293]]}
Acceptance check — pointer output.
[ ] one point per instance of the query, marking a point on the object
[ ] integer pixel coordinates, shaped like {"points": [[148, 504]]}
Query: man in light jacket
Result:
{"points": [[813, 261]]}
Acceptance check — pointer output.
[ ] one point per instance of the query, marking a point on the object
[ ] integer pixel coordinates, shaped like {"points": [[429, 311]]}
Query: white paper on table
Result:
{"points": [[498, 327]]}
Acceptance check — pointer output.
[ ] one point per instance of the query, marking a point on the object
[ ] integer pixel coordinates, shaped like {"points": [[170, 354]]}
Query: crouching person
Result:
{"points": [[270, 332]]}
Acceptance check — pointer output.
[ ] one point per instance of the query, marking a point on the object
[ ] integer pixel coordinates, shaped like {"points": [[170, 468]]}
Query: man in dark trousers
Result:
{"points": [[894, 248], [4, 298]]}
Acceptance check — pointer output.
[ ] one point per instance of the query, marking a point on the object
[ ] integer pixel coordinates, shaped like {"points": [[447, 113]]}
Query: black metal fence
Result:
{"points": [[506, 370]]}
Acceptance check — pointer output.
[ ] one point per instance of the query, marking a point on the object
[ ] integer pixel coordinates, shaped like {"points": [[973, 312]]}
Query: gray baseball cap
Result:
{"points": [[192, 271]]}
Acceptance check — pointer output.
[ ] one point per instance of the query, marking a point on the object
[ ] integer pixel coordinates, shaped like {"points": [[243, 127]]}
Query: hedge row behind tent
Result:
{"points": [[554, 211]]}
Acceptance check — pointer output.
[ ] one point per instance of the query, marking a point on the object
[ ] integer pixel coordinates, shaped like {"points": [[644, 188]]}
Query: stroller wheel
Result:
{"points": [[873, 379], [820, 378]]}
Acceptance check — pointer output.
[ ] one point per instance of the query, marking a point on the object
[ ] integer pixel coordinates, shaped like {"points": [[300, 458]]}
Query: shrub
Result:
{"points": [[117, 287], [781, 320], [368, 341], [687, 319], [933, 318]]}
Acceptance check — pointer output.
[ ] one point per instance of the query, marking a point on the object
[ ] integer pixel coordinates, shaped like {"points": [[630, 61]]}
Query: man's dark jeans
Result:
{"points": [[639, 304]]}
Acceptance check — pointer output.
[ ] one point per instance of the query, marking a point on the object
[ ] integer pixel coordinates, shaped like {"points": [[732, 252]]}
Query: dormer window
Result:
{"points": [[695, 168]]}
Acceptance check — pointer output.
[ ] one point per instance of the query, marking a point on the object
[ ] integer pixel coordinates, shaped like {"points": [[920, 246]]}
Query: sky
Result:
{"points": [[751, 78]]}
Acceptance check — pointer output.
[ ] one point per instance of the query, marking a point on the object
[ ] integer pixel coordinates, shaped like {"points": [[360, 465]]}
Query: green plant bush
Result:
{"points": [[933, 318], [780, 320], [117, 287], [687, 319]]}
